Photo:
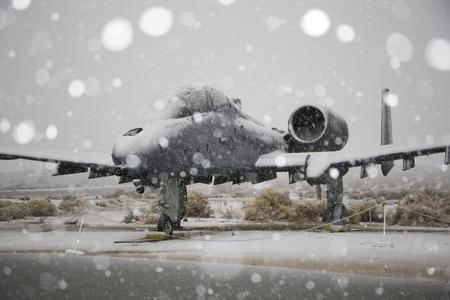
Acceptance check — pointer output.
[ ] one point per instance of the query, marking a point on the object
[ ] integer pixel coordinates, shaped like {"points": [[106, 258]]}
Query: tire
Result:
{"points": [[165, 225]]}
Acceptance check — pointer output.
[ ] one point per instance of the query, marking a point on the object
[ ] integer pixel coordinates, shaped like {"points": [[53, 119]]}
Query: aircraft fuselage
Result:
{"points": [[222, 143]]}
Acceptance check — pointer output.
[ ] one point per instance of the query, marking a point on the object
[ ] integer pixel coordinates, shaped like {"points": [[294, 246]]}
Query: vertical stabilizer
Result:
{"points": [[386, 130]]}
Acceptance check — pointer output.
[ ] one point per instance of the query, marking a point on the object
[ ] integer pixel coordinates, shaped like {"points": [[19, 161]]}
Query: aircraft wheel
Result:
{"points": [[164, 224]]}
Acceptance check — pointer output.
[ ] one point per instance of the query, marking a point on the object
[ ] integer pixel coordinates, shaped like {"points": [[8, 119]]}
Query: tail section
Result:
{"points": [[386, 130]]}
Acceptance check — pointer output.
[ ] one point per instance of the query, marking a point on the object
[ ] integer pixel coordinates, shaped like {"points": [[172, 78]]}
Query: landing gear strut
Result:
{"points": [[172, 201], [336, 211]]}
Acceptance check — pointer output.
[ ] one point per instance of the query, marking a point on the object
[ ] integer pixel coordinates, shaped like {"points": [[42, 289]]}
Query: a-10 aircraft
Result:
{"points": [[204, 136]]}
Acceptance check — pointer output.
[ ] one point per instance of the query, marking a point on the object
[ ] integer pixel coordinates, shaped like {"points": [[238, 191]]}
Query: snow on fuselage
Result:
{"points": [[222, 141]]}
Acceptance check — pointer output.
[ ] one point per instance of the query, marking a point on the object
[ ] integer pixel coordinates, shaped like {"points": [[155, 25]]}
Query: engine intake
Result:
{"points": [[314, 128]]}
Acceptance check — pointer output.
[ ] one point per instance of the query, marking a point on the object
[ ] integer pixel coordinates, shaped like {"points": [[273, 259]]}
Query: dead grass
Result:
{"points": [[12, 211], [38, 208], [313, 212], [374, 215], [198, 205], [432, 204], [271, 205], [268, 205], [70, 204], [149, 215], [41, 208], [227, 213]]}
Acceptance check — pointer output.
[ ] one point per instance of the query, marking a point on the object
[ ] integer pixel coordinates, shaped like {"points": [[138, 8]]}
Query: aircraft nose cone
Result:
{"points": [[123, 153]]}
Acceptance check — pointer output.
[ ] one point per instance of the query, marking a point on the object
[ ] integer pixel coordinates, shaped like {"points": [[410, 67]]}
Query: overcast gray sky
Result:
{"points": [[271, 54]]}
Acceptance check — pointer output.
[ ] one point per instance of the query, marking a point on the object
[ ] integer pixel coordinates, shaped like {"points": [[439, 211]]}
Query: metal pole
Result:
{"points": [[79, 232], [384, 219]]}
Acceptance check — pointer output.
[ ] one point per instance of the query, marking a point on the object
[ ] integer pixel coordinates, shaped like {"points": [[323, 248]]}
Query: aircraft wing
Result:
{"points": [[316, 163], [98, 165]]}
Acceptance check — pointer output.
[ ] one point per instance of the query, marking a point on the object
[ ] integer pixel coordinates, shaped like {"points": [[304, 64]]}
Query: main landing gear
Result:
{"points": [[172, 202], [336, 211]]}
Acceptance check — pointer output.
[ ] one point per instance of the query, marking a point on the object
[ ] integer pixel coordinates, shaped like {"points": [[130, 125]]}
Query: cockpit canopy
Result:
{"points": [[133, 132], [185, 101]]}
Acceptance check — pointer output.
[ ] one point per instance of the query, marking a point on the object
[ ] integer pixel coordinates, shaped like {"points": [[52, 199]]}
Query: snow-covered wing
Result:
{"points": [[315, 164], [68, 162]]}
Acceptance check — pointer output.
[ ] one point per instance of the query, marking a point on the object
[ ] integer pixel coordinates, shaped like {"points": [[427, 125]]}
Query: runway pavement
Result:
{"points": [[57, 276]]}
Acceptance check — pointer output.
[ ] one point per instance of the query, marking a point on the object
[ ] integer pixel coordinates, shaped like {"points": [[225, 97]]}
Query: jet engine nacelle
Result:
{"points": [[314, 128]]}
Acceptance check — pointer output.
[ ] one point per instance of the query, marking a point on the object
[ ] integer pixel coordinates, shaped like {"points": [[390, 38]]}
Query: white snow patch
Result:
{"points": [[187, 18], [117, 34], [159, 104], [345, 33], [55, 17], [197, 117], [379, 291], [51, 132], [241, 68], [343, 281], [334, 173], [391, 100], [437, 54], [163, 142], [132, 160], [117, 82], [42, 76], [5, 126], [399, 46], [200, 290], [20, 4], [280, 161], [7, 271], [310, 285], [226, 2], [156, 21], [76, 88], [315, 23], [371, 170], [193, 171], [256, 278], [49, 64], [273, 23], [24, 132], [62, 284]]}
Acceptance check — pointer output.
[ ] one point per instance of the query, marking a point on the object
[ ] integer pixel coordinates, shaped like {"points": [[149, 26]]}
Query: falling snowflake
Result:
{"points": [[20, 4], [399, 47], [117, 34], [315, 23], [256, 278], [156, 21], [345, 33], [24, 132], [226, 2], [76, 88], [437, 54], [51, 132], [5, 126]]}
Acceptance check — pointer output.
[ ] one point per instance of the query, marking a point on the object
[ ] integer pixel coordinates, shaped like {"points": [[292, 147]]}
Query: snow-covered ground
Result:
{"points": [[411, 255]]}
